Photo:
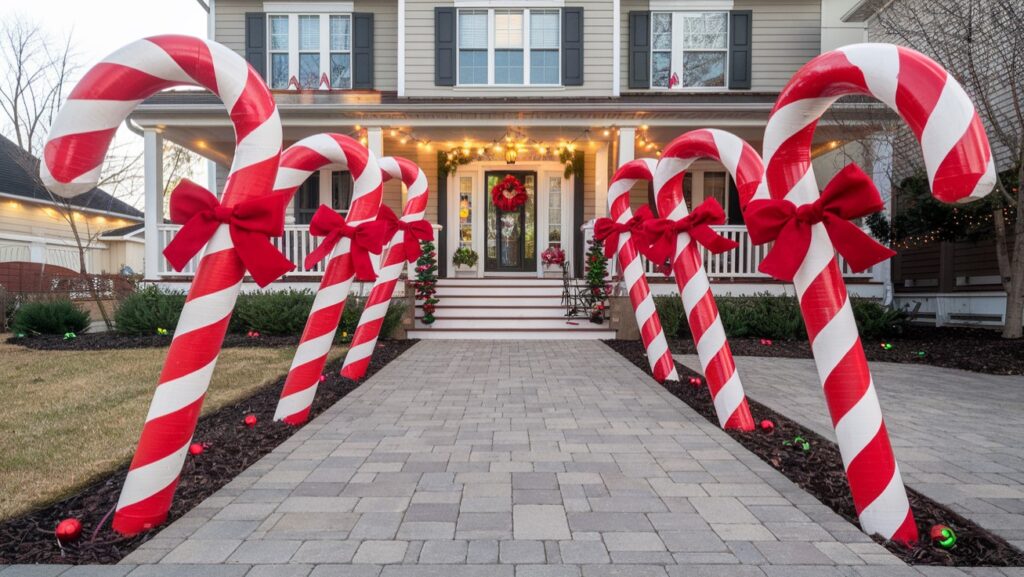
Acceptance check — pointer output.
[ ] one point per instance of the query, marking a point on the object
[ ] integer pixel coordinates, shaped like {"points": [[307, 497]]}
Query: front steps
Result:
{"points": [[505, 308]]}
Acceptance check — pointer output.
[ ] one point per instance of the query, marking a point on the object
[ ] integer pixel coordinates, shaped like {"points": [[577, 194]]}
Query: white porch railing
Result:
{"points": [[739, 264]]}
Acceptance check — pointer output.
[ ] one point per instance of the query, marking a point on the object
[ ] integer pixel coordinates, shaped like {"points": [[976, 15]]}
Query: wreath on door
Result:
{"points": [[509, 194]]}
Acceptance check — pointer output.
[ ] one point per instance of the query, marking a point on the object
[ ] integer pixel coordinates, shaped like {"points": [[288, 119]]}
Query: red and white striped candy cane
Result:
{"points": [[744, 164], [642, 169], [297, 163], [960, 168], [72, 159], [360, 351]]}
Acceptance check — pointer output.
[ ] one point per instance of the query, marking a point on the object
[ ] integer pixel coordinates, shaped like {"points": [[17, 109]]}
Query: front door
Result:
{"points": [[511, 235]]}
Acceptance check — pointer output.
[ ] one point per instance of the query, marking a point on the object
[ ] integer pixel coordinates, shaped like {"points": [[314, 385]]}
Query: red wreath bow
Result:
{"points": [[250, 223], [849, 195], [368, 237], [505, 203], [608, 231], [415, 231], [663, 232]]}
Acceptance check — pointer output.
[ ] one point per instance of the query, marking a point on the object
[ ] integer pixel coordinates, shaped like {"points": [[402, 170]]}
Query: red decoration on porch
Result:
{"points": [[68, 530], [509, 194], [553, 255]]}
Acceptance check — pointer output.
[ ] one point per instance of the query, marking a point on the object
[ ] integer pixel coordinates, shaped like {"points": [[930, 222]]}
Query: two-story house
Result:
{"points": [[474, 90]]}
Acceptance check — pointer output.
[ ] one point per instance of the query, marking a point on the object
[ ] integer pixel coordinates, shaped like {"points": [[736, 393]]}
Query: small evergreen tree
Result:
{"points": [[596, 272], [426, 281]]}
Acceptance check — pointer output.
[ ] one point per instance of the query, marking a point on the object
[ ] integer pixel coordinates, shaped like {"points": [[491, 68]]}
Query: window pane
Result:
{"points": [[707, 30], [341, 190], [341, 70], [279, 33], [341, 33], [688, 189], [465, 211], [703, 68], [508, 66], [508, 29], [309, 33], [473, 29], [544, 29], [714, 187], [544, 67], [279, 70], [661, 34], [472, 67], [309, 70], [661, 63]]}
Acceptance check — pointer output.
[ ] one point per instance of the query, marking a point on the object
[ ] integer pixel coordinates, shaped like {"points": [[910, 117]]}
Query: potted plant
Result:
{"points": [[553, 258], [465, 260]]}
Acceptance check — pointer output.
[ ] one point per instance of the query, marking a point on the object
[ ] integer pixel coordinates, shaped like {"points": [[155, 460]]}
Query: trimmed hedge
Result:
{"points": [[777, 317], [56, 317], [149, 309]]}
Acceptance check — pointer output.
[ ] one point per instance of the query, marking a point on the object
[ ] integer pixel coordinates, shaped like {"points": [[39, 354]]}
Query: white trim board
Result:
{"points": [[689, 5], [509, 3], [293, 7]]}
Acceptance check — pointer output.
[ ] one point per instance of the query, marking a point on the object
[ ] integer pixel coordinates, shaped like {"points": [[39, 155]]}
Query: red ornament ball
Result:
{"points": [[696, 381], [196, 448], [766, 342], [68, 530], [767, 426], [250, 421]]}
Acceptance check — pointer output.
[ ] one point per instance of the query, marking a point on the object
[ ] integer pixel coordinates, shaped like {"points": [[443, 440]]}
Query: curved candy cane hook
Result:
{"points": [[744, 164], [960, 168], [357, 360], [72, 159], [297, 163]]}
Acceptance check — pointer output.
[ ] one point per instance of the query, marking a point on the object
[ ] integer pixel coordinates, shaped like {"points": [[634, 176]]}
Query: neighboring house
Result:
{"points": [[34, 231], [609, 80], [949, 283]]}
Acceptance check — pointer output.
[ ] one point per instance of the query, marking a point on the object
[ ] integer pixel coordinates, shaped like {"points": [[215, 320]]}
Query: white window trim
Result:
{"points": [[324, 7], [690, 5], [491, 49], [676, 55], [325, 45], [509, 3]]}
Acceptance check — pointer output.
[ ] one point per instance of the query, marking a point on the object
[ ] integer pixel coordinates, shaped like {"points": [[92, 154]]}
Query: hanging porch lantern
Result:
{"points": [[511, 154]]}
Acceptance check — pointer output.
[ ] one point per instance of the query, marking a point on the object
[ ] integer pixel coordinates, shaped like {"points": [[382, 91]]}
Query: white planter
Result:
{"points": [[551, 271], [465, 271]]}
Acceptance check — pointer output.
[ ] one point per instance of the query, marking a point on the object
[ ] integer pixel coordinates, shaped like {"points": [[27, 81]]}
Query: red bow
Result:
{"points": [[251, 224], [608, 231], [368, 237], [849, 195], [415, 232], [663, 232]]}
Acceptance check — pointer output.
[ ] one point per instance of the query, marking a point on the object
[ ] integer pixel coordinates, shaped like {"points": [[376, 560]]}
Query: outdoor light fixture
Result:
{"points": [[511, 154]]}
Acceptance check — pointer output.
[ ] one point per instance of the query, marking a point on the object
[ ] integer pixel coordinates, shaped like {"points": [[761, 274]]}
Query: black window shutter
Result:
{"points": [[444, 46], [735, 215], [740, 49], [362, 50], [572, 46], [256, 41], [639, 49], [578, 247]]}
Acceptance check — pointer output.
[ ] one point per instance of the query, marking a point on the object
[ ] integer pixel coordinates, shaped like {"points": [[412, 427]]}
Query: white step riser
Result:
{"points": [[499, 281], [501, 324], [506, 336], [499, 291], [503, 312], [499, 302]]}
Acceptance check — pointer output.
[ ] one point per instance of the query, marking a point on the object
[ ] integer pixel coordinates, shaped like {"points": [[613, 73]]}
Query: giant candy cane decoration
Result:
{"points": [[72, 159], [642, 169], [297, 163], [357, 360], [744, 164], [960, 168]]}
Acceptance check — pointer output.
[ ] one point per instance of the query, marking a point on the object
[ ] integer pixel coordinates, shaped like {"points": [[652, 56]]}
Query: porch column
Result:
{"points": [[375, 140], [601, 181], [153, 165], [881, 173], [627, 142]]}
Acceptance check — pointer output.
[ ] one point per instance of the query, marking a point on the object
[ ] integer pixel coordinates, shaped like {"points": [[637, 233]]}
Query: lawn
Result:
{"points": [[69, 417]]}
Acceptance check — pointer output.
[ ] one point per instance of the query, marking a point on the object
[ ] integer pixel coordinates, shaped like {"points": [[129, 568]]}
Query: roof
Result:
{"points": [[124, 230], [862, 10], [17, 178]]}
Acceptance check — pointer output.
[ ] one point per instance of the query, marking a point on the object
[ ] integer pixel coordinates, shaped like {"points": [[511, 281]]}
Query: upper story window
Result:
{"points": [[509, 47], [689, 50], [309, 46]]}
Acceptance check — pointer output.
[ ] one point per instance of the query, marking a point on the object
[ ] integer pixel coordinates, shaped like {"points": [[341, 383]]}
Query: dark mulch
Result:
{"points": [[232, 448], [820, 472], [113, 340], [978, 350]]}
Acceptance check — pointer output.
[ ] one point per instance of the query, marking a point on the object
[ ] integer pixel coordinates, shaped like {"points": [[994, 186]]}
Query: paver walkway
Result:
{"points": [[502, 459], [958, 435]]}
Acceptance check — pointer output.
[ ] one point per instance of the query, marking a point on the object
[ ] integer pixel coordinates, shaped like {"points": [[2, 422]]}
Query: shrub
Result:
{"points": [[50, 318], [672, 314], [272, 312], [876, 321], [149, 309], [350, 317], [465, 256]]}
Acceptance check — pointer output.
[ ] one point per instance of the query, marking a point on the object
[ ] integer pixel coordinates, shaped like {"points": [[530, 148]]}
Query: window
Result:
{"points": [[341, 191], [307, 199], [309, 46], [689, 49], [715, 187], [555, 211], [509, 47], [466, 211]]}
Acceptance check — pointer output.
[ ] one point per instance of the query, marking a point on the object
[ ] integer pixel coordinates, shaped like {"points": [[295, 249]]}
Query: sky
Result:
{"points": [[99, 27]]}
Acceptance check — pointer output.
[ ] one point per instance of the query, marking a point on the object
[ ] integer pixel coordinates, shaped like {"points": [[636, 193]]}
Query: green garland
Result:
{"points": [[426, 281]]}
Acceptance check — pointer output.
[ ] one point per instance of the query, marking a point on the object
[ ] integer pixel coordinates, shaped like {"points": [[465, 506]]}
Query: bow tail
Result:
{"points": [[786, 255], [611, 245], [860, 250], [191, 239], [711, 240], [261, 258], [663, 248], [363, 264], [413, 248], [322, 251]]}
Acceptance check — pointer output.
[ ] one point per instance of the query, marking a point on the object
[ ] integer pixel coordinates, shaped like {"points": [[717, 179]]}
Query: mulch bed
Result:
{"points": [[978, 350], [819, 471], [233, 447], [113, 340]]}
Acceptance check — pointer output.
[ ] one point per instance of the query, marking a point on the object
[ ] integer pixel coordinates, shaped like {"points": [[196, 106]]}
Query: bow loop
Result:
{"points": [[250, 224], [608, 231], [663, 233], [849, 195], [366, 238]]}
